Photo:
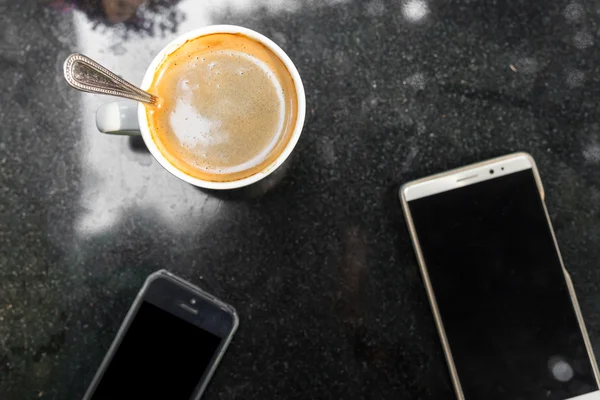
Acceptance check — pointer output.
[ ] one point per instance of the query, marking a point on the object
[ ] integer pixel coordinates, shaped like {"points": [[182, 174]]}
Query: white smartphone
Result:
{"points": [[503, 303], [168, 346]]}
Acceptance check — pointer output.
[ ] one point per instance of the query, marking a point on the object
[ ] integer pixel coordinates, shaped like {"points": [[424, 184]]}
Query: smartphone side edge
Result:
{"points": [[536, 173], [582, 327], [571, 288], [567, 276], [429, 289]]}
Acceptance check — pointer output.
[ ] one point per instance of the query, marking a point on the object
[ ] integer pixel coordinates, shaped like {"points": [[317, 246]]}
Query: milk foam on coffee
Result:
{"points": [[228, 107]]}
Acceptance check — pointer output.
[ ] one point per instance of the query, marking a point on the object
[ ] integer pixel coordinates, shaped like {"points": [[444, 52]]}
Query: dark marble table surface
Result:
{"points": [[317, 260]]}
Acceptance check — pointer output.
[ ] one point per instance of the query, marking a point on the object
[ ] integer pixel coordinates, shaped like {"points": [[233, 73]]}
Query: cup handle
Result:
{"points": [[118, 118]]}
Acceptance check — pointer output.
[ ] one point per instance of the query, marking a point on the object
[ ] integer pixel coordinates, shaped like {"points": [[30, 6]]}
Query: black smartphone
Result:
{"points": [[503, 303], [169, 345]]}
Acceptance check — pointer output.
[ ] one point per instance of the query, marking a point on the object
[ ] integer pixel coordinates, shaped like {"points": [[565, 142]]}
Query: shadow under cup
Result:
{"points": [[229, 108]]}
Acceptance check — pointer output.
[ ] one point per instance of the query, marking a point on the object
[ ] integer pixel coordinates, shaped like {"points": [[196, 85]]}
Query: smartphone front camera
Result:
{"points": [[491, 171]]}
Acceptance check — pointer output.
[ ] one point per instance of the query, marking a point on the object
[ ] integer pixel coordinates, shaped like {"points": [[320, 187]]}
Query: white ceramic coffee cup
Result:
{"points": [[130, 119]]}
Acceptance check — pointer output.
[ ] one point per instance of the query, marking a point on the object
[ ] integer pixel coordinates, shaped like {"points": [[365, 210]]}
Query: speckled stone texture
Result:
{"points": [[316, 259]]}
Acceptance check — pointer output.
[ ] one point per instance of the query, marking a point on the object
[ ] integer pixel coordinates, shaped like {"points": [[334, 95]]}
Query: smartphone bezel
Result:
{"points": [[461, 177], [167, 291]]}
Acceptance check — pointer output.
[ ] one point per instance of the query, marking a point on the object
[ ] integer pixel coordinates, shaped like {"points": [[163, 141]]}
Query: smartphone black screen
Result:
{"points": [[501, 293], [161, 356]]}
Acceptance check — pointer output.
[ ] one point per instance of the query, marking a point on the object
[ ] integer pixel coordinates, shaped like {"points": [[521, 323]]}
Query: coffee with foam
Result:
{"points": [[228, 107]]}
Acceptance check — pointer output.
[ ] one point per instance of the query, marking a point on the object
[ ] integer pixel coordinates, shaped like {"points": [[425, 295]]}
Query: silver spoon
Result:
{"points": [[87, 75]]}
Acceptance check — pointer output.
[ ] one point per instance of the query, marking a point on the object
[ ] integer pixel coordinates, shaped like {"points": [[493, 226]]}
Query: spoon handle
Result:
{"points": [[87, 75]]}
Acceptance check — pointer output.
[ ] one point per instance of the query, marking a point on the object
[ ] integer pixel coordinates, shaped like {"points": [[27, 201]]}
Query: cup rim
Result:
{"points": [[208, 30]]}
